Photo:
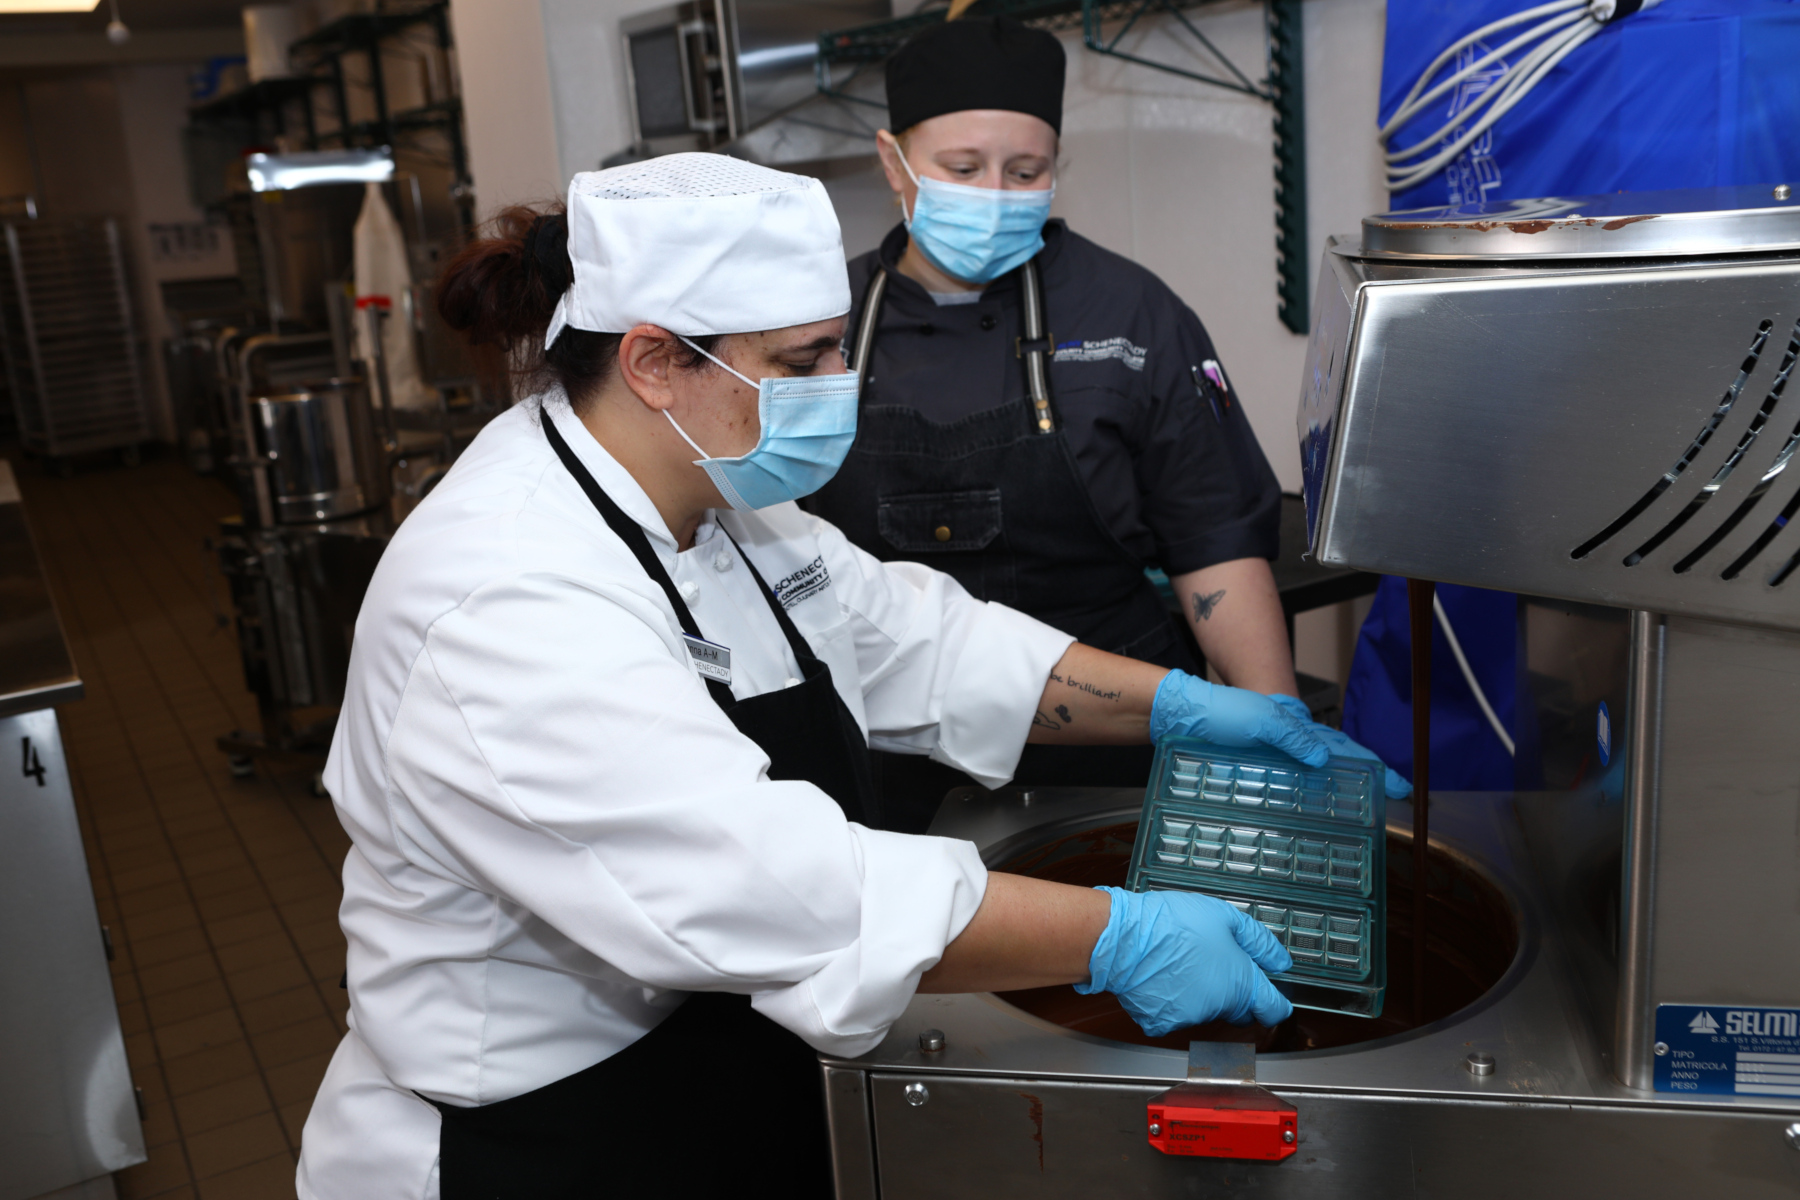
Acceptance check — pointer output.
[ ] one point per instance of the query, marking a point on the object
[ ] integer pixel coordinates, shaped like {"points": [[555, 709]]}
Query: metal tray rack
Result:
{"points": [[68, 339]]}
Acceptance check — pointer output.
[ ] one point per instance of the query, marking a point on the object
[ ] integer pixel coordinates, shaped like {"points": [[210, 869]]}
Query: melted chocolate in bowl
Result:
{"points": [[1470, 940]]}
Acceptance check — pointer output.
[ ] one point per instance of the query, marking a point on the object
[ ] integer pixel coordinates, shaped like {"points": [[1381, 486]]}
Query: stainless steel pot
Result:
{"points": [[319, 451]]}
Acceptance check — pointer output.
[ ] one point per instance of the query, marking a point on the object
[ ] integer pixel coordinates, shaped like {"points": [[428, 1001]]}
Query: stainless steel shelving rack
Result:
{"points": [[324, 53], [261, 113], [69, 340]]}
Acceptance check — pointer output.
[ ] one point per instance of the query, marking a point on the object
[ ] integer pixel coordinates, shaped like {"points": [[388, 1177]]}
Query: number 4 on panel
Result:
{"points": [[32, 767]]}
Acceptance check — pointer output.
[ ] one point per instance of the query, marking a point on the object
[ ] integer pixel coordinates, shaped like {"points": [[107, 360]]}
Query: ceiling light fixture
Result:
{"points": [[48, 6], [116, 30]]}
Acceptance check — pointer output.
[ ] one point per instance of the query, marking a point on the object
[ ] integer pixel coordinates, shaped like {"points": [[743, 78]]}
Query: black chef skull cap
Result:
{"points": [[976, 62]]}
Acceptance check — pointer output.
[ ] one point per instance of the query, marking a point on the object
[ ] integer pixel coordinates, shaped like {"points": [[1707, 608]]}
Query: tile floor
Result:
{"points": [[221, 894]]}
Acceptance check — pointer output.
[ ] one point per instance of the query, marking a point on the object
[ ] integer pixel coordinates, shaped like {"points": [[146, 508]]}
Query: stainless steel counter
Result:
{"points": [[68, 1115], [36, 670]]}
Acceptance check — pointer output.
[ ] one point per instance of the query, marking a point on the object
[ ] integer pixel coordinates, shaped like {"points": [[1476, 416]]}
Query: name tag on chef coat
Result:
{"points": [[711, 659]]}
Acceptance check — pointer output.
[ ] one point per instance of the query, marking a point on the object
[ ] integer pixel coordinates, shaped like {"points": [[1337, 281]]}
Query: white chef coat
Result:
{"points": [[556, 831]]}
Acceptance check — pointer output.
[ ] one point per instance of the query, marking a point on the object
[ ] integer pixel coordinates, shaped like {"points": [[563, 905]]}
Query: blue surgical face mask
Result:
{"points": [[808, 423], [973, 233]]}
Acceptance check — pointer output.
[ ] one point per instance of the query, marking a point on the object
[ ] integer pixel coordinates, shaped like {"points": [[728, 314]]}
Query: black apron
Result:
{"points": [[995, 500], [718, 1098]]}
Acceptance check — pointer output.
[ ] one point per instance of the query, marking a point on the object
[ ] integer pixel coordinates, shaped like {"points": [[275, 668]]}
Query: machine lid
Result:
{"points": [[1691, 221]]}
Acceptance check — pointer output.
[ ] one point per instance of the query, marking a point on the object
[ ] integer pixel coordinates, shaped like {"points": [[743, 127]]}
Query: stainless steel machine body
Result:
{"points": [[1596, 419], [1599, 417], [1012, 1105], [1481, 420]]}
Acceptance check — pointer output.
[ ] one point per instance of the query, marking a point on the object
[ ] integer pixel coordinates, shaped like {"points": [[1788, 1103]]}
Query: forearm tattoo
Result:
{"points": [[1204, 605], [1083, 686]]}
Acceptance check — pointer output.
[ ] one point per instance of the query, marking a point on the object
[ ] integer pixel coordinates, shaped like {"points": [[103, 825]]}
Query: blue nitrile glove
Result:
{"points": [[1176, 959], [1343, 746], [1188, 706]]}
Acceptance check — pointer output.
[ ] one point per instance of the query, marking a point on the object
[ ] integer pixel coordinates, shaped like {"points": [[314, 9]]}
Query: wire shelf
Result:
{"points": [[68, 338]]}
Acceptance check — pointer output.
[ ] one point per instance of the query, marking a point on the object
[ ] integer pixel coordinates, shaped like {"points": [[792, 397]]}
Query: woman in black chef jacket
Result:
{"points": [[1042, 418]]}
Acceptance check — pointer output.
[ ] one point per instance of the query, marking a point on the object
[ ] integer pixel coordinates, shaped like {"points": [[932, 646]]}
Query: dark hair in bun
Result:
{"points": [[502, 288]]}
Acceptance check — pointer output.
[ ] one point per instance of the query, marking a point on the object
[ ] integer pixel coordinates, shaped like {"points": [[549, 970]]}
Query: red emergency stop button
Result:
{"points": [[1218, 1120]]}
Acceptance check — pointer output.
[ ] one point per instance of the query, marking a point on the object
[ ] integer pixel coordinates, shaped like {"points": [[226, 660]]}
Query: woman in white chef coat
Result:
{"points": [[616, 869]]}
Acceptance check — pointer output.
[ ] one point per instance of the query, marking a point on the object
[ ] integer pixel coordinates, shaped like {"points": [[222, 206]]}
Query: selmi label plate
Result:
{"points": [[1727, 1050]]}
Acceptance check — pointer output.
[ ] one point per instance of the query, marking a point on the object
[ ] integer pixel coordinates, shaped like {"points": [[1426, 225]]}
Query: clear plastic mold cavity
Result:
{"points": [[1302, 849]]}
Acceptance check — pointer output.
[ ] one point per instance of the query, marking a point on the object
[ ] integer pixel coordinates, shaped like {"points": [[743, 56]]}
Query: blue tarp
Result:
{"points": [[1466, 753], [1695, 93]]}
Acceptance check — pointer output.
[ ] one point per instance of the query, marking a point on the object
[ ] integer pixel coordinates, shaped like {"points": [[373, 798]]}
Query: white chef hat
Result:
{"points": [[700, 244]]}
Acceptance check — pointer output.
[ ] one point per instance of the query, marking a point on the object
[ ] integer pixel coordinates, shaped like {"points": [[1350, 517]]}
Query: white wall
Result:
{"points": [[587, 78], [543, 92], [153, 104], [1179, 177], [508, 117]]}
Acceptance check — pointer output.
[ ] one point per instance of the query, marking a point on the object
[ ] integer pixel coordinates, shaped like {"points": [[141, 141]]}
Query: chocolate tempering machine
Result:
{"points": [[1583, 401]]}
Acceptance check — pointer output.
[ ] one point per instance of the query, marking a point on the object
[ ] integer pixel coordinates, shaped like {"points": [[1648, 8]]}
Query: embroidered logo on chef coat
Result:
{"points": [[1119, 348], [809, 580]]}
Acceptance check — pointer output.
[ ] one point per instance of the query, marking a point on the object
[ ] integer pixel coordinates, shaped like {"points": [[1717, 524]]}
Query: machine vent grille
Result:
{"points": [[1769, 477], [1768, 535], [1762, 485], [1725, 469], [1787, 568]]}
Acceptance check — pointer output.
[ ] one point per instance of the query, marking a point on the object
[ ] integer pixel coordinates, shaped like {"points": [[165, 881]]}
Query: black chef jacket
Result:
{"points": [[1157, 433]]}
